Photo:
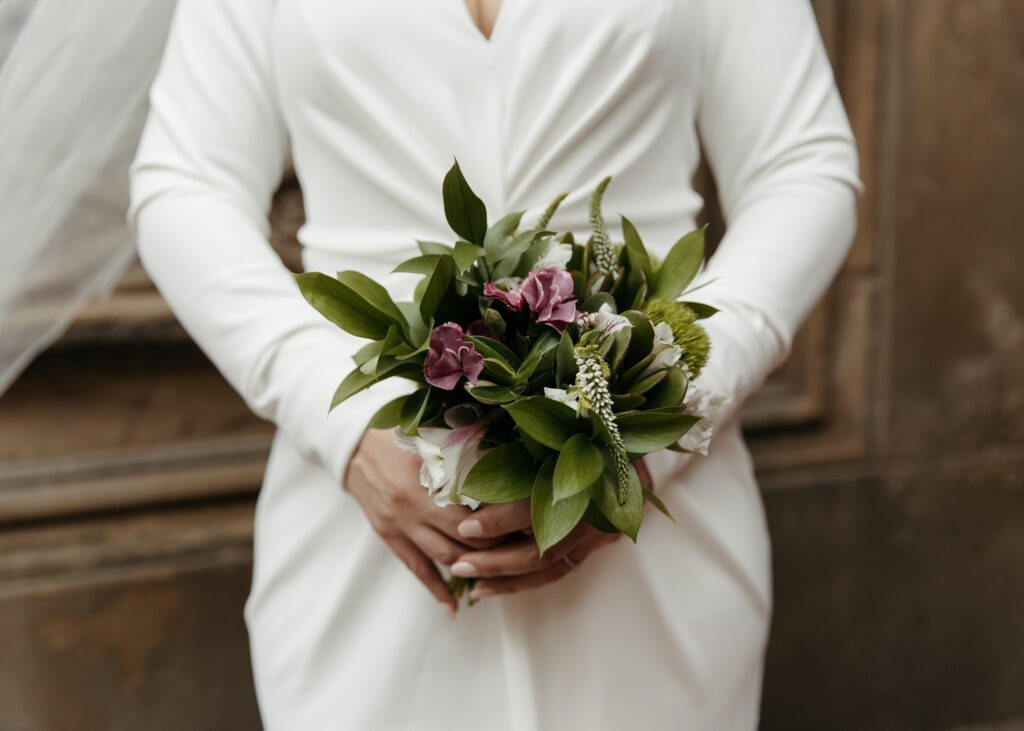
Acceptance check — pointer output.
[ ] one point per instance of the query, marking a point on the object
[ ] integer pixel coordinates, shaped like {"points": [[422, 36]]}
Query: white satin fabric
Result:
{"points": [[372, 99]]}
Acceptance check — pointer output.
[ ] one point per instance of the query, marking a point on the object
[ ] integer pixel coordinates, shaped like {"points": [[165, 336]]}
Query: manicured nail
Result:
{"points": [[471, 528], [480, 592], [464, 569]]}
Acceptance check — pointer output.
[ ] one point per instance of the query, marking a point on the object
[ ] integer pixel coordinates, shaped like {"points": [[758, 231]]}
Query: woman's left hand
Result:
{"points": [[516, 565]]}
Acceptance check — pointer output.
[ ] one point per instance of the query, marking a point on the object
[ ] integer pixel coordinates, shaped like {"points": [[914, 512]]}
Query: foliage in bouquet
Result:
{"points": [[546, 366]]}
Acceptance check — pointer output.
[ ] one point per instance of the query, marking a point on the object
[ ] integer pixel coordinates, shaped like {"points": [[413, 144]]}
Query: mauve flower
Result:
{"points": [[506, 289], [450, 357], [479, 329], [546, 291]]}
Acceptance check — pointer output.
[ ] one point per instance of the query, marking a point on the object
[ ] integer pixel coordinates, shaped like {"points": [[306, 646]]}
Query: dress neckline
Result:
{"points": [[477, 30]]}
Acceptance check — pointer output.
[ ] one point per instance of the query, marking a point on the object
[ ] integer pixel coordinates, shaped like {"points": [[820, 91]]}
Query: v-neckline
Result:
{"points": [[485, 38]]}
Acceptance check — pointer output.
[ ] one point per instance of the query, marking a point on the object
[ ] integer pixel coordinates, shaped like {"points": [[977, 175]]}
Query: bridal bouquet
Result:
{"points": [[547, 366]]}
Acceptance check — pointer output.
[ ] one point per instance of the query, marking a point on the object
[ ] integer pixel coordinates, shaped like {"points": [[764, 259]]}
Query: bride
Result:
{"points": [[371, 101]]}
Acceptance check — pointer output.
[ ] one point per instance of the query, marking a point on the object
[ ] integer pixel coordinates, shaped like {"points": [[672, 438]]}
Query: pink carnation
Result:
{"points": [[510, 296], [450, 357], [546, 292]]}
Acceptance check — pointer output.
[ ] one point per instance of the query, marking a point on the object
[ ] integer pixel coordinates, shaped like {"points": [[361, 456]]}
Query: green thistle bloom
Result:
{"points": [[605, 258], [689, 335], [592, 380]]}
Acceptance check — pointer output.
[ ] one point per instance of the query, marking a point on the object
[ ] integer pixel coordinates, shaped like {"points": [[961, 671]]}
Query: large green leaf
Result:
{"points": [[438, 283], [605, 493], [635, 249], [541, 346], [702, 310], [490, 348], [680, 266], [339, 304], [647, 432], [389, 415], [432, 247], [464, 210], [490, 394], [376, 295], [422, 264], [669, 392], [657, 502], [504, 474], [579, 465], [595, 518], [552, 521], [565, 365], [352, 384], [499, 235], [466, 254], [643, 337], [547, 421]]}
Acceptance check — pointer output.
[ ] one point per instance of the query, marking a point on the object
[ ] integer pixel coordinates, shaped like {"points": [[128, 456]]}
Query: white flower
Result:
{"points": [[555, 255], [604, 319], [707, 405], [448, 455], [570, 399], [665, 351]]}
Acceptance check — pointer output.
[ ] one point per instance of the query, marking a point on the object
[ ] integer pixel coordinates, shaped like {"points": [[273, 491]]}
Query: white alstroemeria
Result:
{"points": [[707, 405], [569, 398], [604, 319], [555, 255], [448, 455], [665, 351]]}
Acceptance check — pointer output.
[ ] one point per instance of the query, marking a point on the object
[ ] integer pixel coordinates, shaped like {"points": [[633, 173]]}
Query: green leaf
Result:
{"points": [[545, 342], [494, 321], [342, 306], [605, 492], [547, 421], [596, 519], [680, 266], [702, 310], [643, 337], [646, 383], [519, 244], [656, 502], [466, 255], [593, 302], [464, 210], [432, 247], [413, 410], [490, 394], [579, 465], [423, 264], [504, 474], [389, 415], [438, 283], [498, 235], [498, 369], [635, 249], [627, 402], [669, 392], [647, 432], [419, 331], [490, 348], [352, 384], [565, 364], [552, 521]]}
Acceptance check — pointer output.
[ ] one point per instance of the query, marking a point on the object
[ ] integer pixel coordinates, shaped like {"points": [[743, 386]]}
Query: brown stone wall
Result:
{"points": [[890, 447]]}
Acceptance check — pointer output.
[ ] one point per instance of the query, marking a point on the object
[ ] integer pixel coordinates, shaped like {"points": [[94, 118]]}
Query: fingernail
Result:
{"points": [[450, 610], [464, 569], [479, 592], [471, 528]]}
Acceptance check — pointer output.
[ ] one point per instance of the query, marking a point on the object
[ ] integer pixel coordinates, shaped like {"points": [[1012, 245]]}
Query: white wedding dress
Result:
{"points": [[372, 99]]}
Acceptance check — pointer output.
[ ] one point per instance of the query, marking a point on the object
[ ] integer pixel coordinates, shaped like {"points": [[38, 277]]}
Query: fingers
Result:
{"points": [[511, 584], [523, 557], [492, 521], [436, 545], [424, 570]]}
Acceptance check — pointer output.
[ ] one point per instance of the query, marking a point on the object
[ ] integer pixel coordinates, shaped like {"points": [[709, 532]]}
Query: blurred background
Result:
{"points": [[890, 447]]}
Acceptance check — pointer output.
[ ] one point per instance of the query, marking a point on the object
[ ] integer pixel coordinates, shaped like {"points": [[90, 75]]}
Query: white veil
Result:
{"points": [[74, 81]]}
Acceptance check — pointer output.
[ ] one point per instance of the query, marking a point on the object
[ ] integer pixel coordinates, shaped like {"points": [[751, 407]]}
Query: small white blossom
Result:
{"points": [[604, 319], [555, 255], [448, 455], [707, 405]]}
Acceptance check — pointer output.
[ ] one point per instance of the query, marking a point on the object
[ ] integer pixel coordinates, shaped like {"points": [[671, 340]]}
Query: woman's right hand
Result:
{"points": [[385, 480]]}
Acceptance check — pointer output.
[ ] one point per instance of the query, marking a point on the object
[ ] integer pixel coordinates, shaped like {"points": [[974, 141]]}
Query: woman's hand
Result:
{"points": [[385, 480], [516, 565]]}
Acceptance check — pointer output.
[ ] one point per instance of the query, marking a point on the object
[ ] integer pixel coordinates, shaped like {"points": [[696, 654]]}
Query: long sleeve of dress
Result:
{"points": [[210, 159], [780, 146]]}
